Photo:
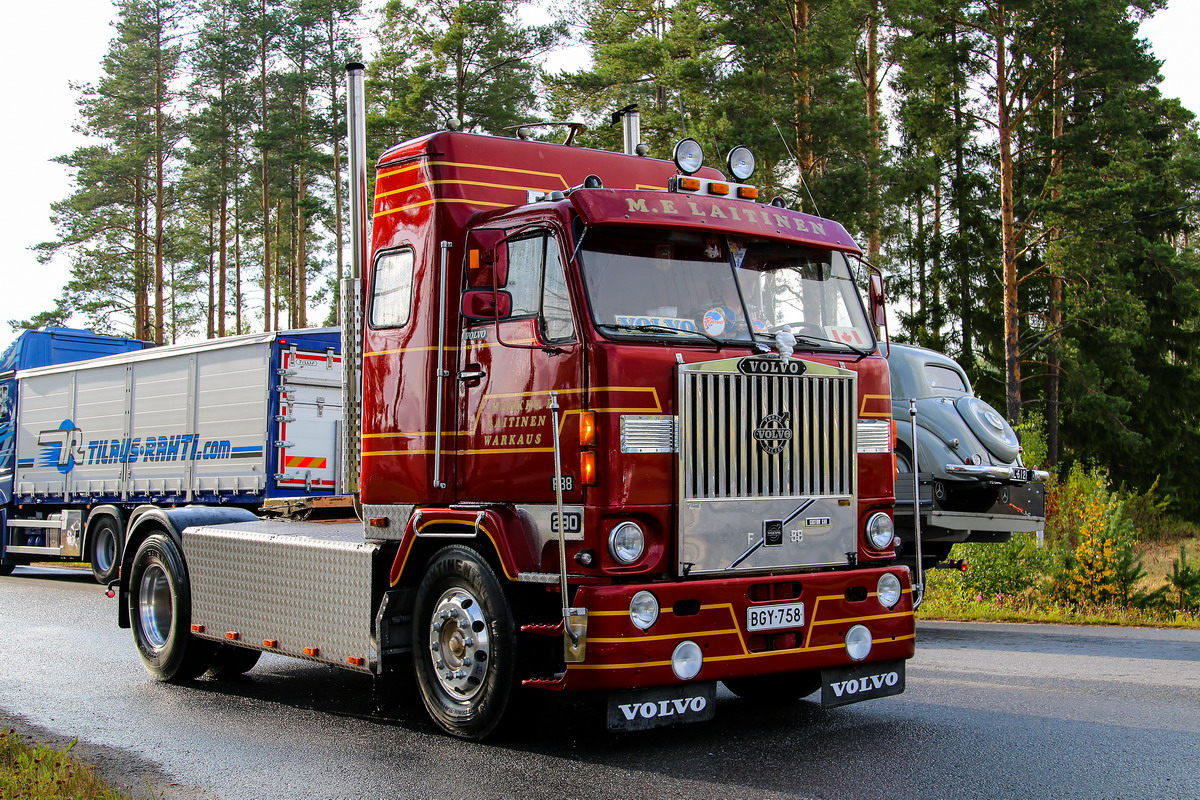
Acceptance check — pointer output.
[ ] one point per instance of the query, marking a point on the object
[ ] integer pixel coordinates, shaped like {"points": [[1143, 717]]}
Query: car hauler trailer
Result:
{"points": [[586, 455], [95, 443]]}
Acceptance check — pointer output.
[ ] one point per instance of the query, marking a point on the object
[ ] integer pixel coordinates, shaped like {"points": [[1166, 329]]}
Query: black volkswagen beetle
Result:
{"points": [[974, 485]]}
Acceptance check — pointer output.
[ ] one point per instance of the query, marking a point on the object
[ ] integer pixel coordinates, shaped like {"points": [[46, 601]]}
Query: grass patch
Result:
{"points": [[36, 772]]}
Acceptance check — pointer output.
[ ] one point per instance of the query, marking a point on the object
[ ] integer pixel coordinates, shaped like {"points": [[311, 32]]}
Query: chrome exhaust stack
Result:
{"points": [[352, 304]]}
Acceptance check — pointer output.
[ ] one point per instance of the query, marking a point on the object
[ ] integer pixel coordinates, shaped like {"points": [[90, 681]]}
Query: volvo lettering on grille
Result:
{"points": [[773, 433], [771, 366]]}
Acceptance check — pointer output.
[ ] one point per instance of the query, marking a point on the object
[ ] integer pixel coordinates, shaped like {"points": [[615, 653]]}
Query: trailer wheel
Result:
{"points": [[464, 643], [104, 550], [160, 608], [229, 661], [786, 686]]}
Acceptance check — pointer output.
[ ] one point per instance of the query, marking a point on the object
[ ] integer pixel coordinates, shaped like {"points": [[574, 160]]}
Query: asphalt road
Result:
{"points": [[991, 711]]}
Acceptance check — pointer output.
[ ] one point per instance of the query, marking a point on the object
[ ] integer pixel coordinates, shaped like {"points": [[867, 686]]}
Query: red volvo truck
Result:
{"points": [[614, 426]]}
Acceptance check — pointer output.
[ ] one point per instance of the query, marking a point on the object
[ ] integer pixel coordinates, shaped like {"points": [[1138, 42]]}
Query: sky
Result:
{"points": [[51, 45]]}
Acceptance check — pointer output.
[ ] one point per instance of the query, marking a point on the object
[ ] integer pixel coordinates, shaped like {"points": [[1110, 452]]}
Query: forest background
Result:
{"points": [[1010, 164]]}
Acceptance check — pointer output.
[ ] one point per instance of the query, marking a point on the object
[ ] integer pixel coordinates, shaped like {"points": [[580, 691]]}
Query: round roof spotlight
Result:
{"points": [[454, 124], [593, 182], [741, 162], [688, 156], [642, 149], [524, 134], [778, 202]]}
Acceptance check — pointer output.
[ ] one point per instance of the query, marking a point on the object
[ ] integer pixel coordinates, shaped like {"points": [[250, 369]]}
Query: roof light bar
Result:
{"points": [[688, 156]]}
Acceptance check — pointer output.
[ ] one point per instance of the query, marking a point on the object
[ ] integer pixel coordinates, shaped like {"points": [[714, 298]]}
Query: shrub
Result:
{"points": [[1003, 568]]}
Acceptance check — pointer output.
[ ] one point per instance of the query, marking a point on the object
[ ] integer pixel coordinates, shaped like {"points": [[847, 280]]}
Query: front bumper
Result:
{"points": [[712, 613]]}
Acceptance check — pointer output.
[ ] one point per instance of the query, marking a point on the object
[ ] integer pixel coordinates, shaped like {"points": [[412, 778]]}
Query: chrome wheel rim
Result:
{"points": [[155, 607], [459, 644]]}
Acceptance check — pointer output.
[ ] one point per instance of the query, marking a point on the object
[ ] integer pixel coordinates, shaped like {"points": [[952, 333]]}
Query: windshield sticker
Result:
{"points": [[718, 321], [845, 335], [664, 321]]}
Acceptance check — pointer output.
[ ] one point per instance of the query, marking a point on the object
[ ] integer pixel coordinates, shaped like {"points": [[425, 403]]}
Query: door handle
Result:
{"points": [[471, 375]]}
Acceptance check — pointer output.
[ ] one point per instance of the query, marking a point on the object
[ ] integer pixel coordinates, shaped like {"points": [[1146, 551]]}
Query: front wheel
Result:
{"points": [[160, 610], [104, 550], [464, 643]]}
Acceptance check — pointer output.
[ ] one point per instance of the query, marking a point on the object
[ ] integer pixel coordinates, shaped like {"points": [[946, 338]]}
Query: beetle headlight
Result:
{"points": [[626, 542], [888, 589], [880, 531], [858, 642], [643, 610]]}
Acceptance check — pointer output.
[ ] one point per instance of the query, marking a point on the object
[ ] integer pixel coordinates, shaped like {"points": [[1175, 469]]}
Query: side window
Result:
{"points": [[391, 290], [525, 274], [556, 303], [538, 284]]}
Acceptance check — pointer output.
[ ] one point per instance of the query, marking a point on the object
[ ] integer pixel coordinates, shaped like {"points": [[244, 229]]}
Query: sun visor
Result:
{"points": [[737, 217]]}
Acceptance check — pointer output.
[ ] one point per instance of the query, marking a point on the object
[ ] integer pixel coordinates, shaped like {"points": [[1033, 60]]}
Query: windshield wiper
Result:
{"points": [[617, 326], [817, 341]]}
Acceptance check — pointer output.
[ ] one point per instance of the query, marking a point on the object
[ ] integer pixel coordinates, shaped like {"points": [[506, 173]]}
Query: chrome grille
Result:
{"points": [[721, 457]]}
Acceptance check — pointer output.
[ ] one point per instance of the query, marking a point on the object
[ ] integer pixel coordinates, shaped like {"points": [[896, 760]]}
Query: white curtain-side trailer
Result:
{"points": [[228, 422]]}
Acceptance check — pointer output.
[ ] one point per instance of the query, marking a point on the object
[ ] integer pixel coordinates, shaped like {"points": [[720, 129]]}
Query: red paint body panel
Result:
{"points": [[620, 656]]}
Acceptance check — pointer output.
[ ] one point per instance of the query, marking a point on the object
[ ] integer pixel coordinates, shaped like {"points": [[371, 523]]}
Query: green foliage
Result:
{"points": [[1184, 580], [1031, 431], [38, 772], [1005, 568]]}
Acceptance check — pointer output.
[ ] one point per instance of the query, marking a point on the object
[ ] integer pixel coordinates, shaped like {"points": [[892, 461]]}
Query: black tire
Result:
{"points": [[230, 662], [160, 613], [782, 687], [464, 643], [6, 568], [104, 550]]}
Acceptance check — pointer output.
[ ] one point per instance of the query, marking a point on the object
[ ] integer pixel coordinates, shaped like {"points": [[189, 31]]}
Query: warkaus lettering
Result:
{"points": [[66, 447]]}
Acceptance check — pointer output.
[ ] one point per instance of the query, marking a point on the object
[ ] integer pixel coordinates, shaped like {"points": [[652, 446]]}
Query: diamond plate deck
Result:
{"points": [[300, 585]]}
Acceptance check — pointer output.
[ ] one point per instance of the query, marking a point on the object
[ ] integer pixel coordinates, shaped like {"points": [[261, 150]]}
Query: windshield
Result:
{"points": [[658, 283]]}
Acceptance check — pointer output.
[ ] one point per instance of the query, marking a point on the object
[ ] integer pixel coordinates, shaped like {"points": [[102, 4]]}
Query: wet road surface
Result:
{"points": [[991, 711]]}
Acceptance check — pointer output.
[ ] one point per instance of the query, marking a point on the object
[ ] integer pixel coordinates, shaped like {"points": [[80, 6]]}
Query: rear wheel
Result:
{"points": [[785, 686], [464, 643], [160, 610], [104, 550]]}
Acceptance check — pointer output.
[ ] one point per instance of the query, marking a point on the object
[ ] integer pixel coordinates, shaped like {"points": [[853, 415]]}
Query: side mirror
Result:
{"points": [[486, 305], [487, 258], [877, 300]]}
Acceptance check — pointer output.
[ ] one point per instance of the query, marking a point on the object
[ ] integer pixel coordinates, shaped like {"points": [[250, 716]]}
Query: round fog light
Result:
{"points": [[687, 660], [643, 610], [880, 531], [858, 642], [888, 589]]}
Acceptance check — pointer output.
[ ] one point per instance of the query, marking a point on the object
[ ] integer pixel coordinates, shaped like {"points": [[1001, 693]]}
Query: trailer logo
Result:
{"points": [[62, 447], [773, 433]]}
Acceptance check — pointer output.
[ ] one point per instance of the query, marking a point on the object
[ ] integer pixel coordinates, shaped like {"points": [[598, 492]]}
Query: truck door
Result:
{"points": [[507, 371]]}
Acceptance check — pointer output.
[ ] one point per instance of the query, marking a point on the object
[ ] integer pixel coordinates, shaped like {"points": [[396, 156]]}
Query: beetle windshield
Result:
{"points": [[658, 283]]}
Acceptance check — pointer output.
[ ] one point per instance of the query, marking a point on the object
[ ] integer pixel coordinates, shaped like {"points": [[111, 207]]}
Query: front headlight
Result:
{"points": [[858, 642], [626, 542], [643, 610], [687, 660], [888, 589], [880, 531]]}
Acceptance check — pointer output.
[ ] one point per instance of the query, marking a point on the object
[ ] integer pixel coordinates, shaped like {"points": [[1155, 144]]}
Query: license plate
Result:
{"points": [[664, 705], [843, 685], [1020, 474], [776, 617]]}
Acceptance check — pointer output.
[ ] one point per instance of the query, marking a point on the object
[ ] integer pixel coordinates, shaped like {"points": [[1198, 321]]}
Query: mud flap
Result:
{"points": [[844, 685], [662, 706]]}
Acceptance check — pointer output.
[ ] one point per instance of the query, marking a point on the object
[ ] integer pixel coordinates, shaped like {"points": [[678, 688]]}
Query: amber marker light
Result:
{"points": [[689, 184], [587, 468], [197, 629], [232, 635], [312, 651], [272, 643], [355, 661], [587, 428], [747, 192], [718, 188], [473, 258]]}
